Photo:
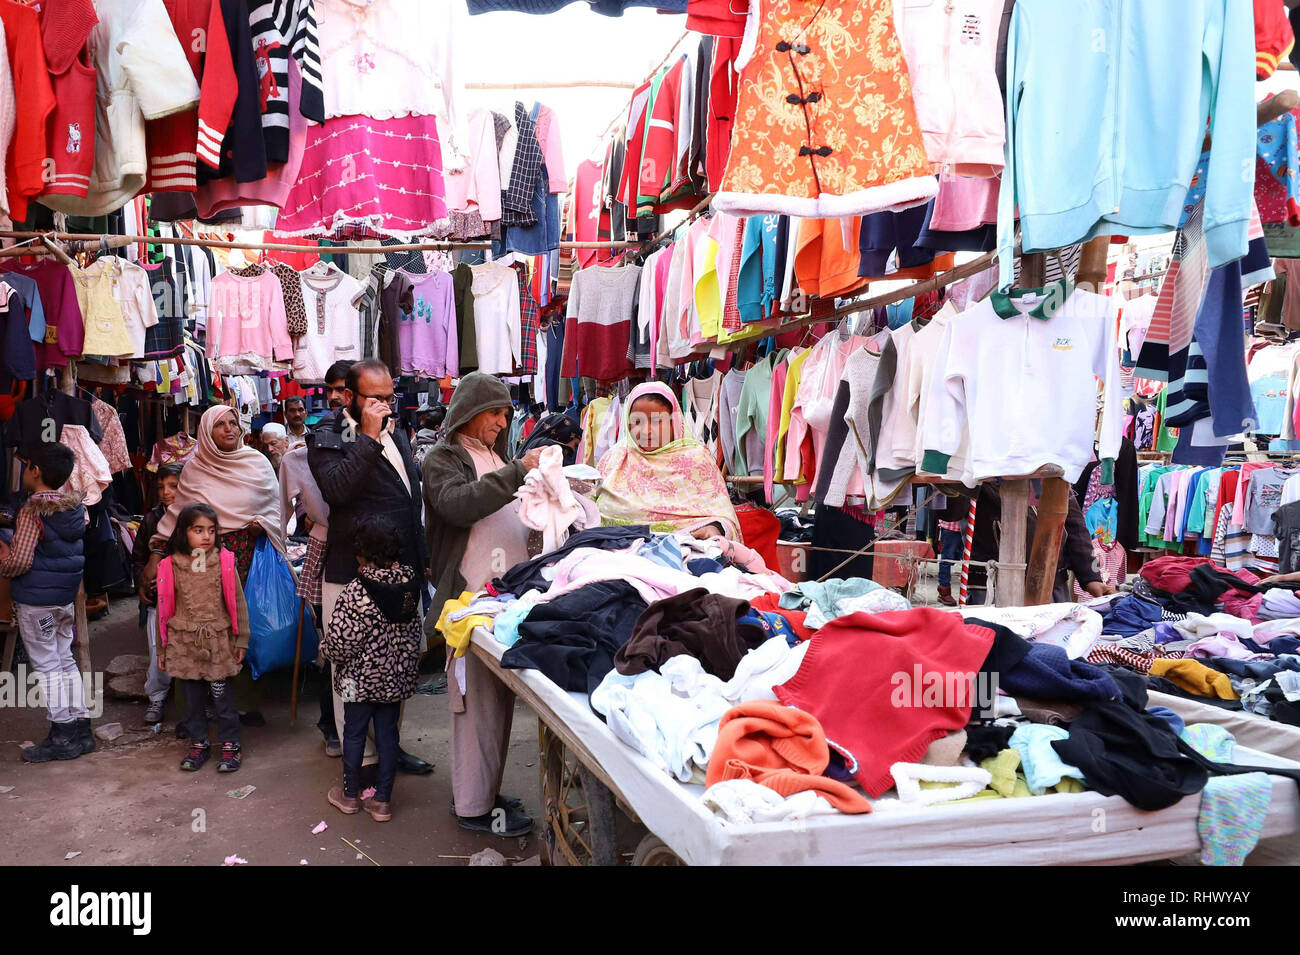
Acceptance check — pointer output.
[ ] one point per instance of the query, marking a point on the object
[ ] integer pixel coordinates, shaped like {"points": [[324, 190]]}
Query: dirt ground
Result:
{"points": [[128, 803]]}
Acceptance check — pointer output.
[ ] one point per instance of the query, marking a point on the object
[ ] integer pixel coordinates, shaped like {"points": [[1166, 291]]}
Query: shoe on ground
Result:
{"points": [[344, 804], [501, 802], [379, 811], [230, 758], [505, 822], [153, 713], [414, 765], [196, 757], [946, 598], [60, 743], [84, 738], [333, 748]]}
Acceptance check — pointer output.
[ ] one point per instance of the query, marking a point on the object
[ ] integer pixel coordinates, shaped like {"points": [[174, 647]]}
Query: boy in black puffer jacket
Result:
{"points": [[45, 564], [373, 645]]}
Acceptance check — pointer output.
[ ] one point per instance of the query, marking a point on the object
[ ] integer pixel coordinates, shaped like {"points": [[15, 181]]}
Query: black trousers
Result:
{"points": [[356, 719], [836, 529], [324, 690], [223, 702]]}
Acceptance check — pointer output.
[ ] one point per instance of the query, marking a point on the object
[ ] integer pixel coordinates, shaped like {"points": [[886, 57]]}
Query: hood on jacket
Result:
{"points": [[66, 501], [426, 436], [394, 590], [478, 392]]}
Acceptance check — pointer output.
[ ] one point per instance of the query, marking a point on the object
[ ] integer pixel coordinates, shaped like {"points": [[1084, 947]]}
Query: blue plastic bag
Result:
{"points": [[273, 608]]}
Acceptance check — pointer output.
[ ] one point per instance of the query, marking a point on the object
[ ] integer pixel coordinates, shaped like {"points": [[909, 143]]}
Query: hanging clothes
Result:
{"points": [[797, 114]]}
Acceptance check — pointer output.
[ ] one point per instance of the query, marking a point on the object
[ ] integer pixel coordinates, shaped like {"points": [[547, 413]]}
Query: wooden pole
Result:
{"points": [[82, 640], [1092, 264], [297, 652], [1053, 505], [1011, 548], [1033, 270]]}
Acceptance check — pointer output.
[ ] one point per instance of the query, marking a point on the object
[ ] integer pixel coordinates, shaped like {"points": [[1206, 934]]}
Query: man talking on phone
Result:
{"points": [[363, 466]]}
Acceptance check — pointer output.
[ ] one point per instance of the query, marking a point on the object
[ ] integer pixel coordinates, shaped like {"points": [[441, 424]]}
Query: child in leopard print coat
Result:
{"points": [[373, 641]]}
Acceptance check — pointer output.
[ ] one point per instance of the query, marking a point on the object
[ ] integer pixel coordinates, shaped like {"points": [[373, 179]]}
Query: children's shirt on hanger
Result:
{"points": [[247, 330], [117, 306], [427, 332], [497, 319], [333, 323], [1020, 371]]}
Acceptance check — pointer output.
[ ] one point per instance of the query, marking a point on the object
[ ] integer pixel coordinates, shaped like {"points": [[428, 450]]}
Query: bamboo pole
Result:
{"points": [[115, 241], [565, 85], [964, 271], [691, 216]]}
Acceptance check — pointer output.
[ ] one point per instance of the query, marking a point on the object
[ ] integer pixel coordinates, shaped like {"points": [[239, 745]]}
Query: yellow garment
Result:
{"points": [[708, 302], [787, 408], [1003, 768], [592, 418], [749, 330], [1195, 678], [101, 312], [457, 632]]}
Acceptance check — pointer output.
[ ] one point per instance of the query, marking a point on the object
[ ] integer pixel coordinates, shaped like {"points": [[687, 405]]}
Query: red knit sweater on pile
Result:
{"points": [[859, 678]]}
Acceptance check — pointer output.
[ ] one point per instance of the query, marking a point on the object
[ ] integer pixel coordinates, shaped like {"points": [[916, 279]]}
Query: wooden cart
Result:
{"points": [[605, 803]]}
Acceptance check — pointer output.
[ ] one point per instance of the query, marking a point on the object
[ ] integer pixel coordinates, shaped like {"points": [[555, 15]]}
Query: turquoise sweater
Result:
{"points": [[1107, 104]]}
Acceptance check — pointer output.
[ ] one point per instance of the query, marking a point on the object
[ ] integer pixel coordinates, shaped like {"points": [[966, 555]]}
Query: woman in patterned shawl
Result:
{"points": [[659, 475]]}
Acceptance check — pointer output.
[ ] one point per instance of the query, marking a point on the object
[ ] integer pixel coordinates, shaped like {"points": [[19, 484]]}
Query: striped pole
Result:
{"points": [[967, 538]]}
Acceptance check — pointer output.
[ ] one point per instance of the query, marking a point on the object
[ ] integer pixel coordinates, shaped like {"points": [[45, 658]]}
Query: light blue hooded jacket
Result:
{"points": [[1107, 104]]}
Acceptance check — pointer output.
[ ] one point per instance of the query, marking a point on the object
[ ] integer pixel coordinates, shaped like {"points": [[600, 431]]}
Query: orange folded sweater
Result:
{"points": [[781, 748]]}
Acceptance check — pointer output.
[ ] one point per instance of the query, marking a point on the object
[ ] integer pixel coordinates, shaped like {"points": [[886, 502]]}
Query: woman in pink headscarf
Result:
{"points": [[659, 475], [236, 481]]}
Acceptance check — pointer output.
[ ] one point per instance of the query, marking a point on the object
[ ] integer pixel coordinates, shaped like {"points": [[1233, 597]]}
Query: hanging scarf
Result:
{"points": [[677, 487], [240, 485]]}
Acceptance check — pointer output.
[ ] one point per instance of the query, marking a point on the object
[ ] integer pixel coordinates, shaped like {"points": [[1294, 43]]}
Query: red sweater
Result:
{"points": [[177, 141], [864, 675], [717, 17], [1273, 36], [25, 163]]}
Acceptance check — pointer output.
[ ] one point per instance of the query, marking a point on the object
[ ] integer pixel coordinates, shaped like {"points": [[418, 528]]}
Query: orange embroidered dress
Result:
{"points": [[825, 125]]}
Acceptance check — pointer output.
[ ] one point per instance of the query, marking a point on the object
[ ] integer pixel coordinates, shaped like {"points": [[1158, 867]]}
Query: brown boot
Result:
{"points": [[345, 804], [379, 811], [946, 598]]}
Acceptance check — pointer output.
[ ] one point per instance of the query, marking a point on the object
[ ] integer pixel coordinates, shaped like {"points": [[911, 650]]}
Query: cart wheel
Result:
{"points": [[652, 851]]}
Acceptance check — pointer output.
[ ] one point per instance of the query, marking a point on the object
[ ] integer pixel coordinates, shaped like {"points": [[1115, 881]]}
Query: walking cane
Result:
{"points": [[297, 652]]}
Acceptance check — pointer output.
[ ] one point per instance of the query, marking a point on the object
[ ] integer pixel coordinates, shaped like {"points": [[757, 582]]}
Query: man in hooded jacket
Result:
{"points": [[473, 533]]}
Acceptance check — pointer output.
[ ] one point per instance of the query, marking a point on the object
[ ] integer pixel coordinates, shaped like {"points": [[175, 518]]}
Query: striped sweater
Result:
{"points": [[172, 140], [284, 28]]}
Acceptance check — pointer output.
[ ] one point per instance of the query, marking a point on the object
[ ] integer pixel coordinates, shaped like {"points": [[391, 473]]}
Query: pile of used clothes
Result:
{"points": [[1195, 630], [786, 700]]}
